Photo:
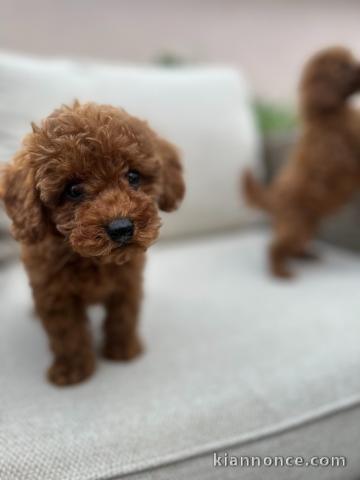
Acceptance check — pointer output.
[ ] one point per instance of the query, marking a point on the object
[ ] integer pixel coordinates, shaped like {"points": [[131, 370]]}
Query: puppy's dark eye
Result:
{"points": [[134, 178], [74, 191]]}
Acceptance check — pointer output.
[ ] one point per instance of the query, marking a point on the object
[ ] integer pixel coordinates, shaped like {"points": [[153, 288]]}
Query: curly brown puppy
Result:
{"points": [[83, 194], [324, 170]]}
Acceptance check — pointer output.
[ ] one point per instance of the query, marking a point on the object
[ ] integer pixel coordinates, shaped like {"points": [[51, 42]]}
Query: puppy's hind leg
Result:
{"points": [[279, 253], [290, 241]]}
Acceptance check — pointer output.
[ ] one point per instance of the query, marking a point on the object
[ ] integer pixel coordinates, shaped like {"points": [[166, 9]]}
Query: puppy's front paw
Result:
{"points": [[123, 351], [65, 372]]}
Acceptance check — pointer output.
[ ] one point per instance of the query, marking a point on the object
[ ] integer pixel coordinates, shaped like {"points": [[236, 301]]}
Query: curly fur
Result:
{"points": [[324, 170], [70, 259]]}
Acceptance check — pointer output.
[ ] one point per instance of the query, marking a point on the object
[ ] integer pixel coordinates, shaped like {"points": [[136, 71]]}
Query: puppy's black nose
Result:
{"points": [[120, 230]]}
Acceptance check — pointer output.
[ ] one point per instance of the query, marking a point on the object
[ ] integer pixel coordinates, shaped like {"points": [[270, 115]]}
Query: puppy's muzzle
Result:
{"points": [[120, 230]]}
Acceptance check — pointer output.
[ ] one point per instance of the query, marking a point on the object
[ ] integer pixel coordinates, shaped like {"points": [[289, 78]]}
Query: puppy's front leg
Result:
{"points": [[121, 323], [65, 322]]}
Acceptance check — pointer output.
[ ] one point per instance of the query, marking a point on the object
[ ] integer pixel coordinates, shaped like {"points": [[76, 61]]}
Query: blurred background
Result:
{"points": [[268, 39]]}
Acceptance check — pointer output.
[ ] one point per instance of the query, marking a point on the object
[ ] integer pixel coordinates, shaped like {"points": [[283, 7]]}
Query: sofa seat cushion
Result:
{"points": [[236, 361]]}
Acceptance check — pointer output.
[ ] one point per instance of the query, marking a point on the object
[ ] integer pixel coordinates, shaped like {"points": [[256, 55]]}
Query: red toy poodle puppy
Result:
{"points": [[83, 194], [324, 170]]}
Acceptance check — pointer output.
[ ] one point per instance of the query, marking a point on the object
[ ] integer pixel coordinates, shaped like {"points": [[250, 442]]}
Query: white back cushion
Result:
{"points": [[205, 111]]}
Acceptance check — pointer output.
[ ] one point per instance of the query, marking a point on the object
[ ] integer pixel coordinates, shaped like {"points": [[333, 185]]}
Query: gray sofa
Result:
{"points": [[237, 363]]}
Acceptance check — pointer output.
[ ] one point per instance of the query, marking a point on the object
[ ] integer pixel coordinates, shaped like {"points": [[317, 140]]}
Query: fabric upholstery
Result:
{"points": [[235, 360]]}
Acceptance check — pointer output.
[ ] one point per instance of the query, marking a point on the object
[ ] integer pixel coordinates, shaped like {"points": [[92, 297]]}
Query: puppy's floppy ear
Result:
{"points": [[173, 186], [22, 202]]}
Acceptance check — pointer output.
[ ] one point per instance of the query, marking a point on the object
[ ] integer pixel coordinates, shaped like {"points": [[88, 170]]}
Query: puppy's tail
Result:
{"points": [[256, 194]]}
